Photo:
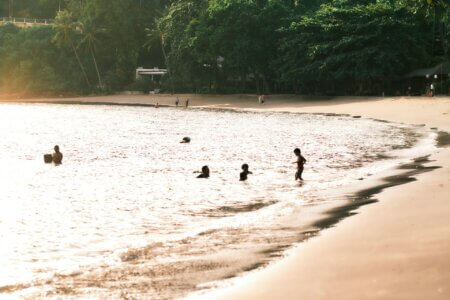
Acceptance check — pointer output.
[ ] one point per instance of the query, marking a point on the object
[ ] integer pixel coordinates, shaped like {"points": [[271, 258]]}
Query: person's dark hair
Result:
{"points": [[205, 169], [56, 148], [297, 150], [244, 166]]}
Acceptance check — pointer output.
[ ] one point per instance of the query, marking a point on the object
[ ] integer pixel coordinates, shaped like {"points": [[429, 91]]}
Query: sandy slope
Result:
{"points": [[398, 248]]}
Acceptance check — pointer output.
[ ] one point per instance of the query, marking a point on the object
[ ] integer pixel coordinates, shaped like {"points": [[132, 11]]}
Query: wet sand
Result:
{"points": [[397, 248]]}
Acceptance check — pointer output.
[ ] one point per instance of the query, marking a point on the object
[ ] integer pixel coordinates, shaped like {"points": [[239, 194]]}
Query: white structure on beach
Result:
{"points": [[155, 71], [25, 22]]}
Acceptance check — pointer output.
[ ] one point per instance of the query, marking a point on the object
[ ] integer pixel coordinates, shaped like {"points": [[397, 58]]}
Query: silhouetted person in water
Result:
{"points": [[177, 101], [205, 172], [187, 103], [57, 156], [185, 140], [300, 162], [244, 173]]}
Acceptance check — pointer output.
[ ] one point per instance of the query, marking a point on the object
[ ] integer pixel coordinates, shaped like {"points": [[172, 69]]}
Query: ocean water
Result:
{"points": [[124, 216]]}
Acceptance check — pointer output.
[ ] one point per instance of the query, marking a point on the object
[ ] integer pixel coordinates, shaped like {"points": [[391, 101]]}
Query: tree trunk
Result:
{"points": [[166, 61], [96, 67], [243, 79], [266, 88], [434, 29], [81, 65]]}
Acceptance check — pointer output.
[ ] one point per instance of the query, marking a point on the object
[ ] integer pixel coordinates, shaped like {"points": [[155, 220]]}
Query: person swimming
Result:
{"points": [[300, 162], [57, 156], [244, 173], [204, 173], [185, 140]]}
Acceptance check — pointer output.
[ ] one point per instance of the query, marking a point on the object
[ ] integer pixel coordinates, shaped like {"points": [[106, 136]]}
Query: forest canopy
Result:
{"points": [[351, 47]]}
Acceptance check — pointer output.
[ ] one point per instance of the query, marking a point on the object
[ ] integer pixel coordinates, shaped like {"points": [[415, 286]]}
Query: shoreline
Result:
{"points": [[351, 261]]}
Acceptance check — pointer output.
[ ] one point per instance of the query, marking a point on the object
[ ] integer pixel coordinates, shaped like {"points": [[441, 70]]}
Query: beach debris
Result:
{"points": [[356, 117]]}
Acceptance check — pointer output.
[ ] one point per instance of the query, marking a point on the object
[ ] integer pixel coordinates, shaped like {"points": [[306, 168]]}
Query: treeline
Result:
{"points": [[93, 46], [224, 46], [37, 9]]}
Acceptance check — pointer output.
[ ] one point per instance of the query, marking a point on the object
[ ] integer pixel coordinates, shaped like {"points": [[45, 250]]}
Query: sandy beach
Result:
{"points": [[397, 248]]}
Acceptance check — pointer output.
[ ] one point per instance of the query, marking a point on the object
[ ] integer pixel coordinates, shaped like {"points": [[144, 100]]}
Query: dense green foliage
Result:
{"points": [[41, 9], [343, 48], [31, 63], [222, 46]]}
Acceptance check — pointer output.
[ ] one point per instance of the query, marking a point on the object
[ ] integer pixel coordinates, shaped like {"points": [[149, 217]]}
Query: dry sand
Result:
{"points": [[398, 248]]}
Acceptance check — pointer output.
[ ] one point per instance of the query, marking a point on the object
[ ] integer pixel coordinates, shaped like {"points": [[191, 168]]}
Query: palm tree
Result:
{"points": [[155, 35], [437, 11], [90, 39], [66, 28]]}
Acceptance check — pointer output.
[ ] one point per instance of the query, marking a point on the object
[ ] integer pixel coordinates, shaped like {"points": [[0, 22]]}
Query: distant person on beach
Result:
{"points": [[157, 105], [187, 103], [177, 101], [431, 90], [262, 99], [259, 99], [57, 156], [244, 173], [300, 162], [204, 172]]}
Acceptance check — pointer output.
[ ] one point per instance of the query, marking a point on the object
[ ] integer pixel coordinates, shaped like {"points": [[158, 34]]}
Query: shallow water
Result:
{"points": [[124, 215]]}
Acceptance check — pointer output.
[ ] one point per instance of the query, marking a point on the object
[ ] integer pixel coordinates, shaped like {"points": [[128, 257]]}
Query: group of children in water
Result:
{"points": [[243, 175], [57, 157]]}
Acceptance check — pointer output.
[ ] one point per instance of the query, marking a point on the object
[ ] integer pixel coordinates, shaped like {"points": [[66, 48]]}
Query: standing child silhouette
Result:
{"points": [[244, 173], [300, 162]]}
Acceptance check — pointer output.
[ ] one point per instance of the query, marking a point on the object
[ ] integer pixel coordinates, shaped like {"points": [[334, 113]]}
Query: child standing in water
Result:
{"points": [[300, 162], [57, 156], [244, 173]]}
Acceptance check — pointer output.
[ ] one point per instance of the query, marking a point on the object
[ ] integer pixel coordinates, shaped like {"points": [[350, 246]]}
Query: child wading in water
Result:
{"points": [[204, 172], [244, 173], [300, 162]]}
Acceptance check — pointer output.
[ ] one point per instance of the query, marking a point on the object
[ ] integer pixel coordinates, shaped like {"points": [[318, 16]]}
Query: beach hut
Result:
{"points": [[421, 79]]}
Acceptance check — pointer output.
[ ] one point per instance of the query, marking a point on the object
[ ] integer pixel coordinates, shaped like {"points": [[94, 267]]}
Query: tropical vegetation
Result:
{"points": [[332, 47]]}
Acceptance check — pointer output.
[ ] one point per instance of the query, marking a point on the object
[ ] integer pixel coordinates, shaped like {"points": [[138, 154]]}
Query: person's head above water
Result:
{"points": [[186, 139], [297, 151], [205, 170], [56, 148], [245, 167]]}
